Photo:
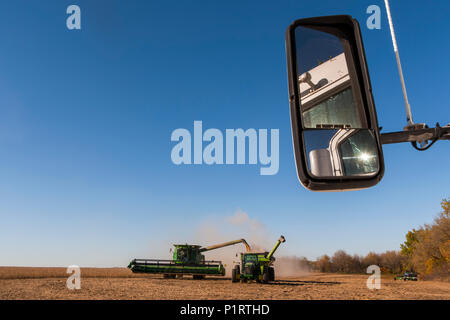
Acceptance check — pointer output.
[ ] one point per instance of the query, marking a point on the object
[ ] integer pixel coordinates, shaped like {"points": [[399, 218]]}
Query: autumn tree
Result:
{"points": [[392, 261], [345, 263], [428, 248], [323, 264], [371, 258]]}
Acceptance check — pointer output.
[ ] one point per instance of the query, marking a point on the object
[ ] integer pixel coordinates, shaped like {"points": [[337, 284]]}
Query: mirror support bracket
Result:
{"points": [[417, 135]]}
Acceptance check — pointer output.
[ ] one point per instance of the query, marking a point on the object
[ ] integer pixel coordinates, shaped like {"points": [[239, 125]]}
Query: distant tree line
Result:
{"points": [[425, 251], [342, 262]]}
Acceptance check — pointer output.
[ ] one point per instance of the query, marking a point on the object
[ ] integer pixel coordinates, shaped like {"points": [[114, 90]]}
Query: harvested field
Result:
{"points": [[120, 283]]}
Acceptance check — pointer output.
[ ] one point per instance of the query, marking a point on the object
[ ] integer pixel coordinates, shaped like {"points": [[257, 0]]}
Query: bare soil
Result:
{"points": [[120, 283]]}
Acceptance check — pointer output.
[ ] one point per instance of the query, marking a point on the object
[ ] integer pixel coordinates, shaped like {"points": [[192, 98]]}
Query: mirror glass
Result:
{"points": [[336, 137]]}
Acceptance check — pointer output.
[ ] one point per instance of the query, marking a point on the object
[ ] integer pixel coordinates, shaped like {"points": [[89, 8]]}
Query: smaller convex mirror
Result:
{"points": [[341, 152], [336, 138]]}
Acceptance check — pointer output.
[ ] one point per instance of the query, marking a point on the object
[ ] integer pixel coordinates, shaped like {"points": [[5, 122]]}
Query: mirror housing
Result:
{"points": [[337, 81]]}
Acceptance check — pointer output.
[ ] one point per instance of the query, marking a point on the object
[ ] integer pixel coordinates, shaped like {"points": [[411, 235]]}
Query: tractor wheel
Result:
{"points": [[272, 274], [266, 276], [198, 277], [234, 277], [179, 276]]}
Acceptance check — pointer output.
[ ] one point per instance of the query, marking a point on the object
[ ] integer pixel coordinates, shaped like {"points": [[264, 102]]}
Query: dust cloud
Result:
{"points": [[291, 266]]}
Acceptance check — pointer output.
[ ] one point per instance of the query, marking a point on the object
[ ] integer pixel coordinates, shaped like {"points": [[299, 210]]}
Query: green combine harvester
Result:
{"points": [[187, 260], [256, 266]]}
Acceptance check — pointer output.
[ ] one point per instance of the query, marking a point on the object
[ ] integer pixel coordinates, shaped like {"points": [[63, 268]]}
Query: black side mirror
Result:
{"points": [[334, 123]]}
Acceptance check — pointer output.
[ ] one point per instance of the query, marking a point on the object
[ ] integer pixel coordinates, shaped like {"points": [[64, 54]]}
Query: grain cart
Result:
{"points": [[187, 260], [256, 266]]}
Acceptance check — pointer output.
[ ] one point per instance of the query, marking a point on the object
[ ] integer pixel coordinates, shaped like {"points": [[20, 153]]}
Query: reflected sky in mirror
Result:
{"points": [[316, 47]]}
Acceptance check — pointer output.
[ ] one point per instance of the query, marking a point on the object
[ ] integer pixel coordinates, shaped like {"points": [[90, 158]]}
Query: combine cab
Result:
{"points": [[187, 260], [256, 266]]}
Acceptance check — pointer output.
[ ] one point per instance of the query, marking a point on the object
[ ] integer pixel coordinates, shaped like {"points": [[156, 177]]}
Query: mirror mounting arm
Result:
{"points": [[417, 135]]}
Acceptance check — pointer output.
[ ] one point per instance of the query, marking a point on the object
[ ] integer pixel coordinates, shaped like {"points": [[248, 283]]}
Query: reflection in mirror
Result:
{"points": [[327, 94], [341, 152]]}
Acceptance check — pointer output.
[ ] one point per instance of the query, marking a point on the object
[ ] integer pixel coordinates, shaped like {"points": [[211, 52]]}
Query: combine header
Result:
{"points": [[187, 260]]}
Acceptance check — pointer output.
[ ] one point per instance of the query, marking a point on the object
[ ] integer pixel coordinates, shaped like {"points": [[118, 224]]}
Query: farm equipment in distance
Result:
{"points": [[256, 266], [187, 260], [407, 276]]}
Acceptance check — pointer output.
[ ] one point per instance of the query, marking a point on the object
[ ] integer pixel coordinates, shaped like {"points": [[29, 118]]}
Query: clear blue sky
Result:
{"points": [[86, 117]]}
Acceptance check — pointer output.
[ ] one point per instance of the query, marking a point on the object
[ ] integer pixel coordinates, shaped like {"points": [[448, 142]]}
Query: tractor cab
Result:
{"points": [[250, 258], [250, 264]]}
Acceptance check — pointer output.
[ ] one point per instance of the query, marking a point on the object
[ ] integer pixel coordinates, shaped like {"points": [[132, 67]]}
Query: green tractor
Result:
{"points": [[187, 260], [407, 276], [256, 266]]}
